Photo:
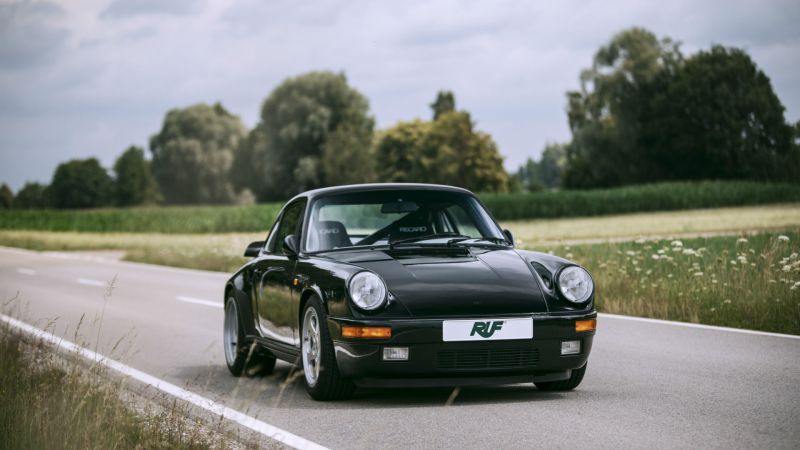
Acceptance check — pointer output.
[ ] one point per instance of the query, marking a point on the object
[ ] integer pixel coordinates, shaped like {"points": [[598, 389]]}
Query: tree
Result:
{"points": [[546, 173], [447, 150], [31, 196], [445, 102], [458, 154], [315, 130], [6, 197], [193, 154], [719, 118], [80, 183], [135, 184], [604, 115], [398, 152], [554, 159], [644, 113], [528, 176]]}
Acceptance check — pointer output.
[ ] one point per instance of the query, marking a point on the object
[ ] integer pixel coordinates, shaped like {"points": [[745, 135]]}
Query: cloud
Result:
{"points": [[28, 37], [92, 77], [125, 9]]}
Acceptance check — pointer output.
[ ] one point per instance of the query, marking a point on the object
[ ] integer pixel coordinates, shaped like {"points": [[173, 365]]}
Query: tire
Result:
{"points": [[242, 357], [321, 373], [564, 385]]}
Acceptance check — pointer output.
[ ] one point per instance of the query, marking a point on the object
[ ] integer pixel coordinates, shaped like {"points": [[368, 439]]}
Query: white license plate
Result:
{"points": [[487, 329]]}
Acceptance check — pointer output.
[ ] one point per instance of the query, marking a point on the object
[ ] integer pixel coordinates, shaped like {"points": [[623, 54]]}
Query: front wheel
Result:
{"points": [[564, 385], [240, 356], [322, 378]]}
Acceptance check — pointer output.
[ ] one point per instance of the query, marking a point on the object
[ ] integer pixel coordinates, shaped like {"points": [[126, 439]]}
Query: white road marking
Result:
{"points": [[199, 301], [252, 423], [697, 325], [26, 271], [90, 282]]}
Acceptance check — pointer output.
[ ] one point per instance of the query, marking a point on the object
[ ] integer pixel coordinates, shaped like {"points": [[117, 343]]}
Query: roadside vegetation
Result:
{"points": [[50, 403], [223, 251], [748, 282]]}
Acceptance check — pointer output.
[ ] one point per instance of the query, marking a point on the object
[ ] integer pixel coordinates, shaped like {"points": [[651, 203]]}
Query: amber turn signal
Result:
{"points": [[585, 325], [367, 332]]}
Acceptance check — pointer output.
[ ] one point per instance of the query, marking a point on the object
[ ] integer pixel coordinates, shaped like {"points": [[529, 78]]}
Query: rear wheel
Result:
{"points": [[564, 385], [242, 357], [322, 378]]}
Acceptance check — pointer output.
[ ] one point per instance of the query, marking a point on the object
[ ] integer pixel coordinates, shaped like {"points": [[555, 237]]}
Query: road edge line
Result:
{"points": [[697, 325], [270, 431]]}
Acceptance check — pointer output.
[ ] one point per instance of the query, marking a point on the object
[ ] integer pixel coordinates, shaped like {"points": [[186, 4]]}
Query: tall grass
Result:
{"points": [[540, 205], [47, 404], [745, 282]]}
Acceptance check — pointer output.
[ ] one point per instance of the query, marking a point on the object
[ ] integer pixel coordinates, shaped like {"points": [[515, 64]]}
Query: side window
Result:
{"points": [[291, 221]]}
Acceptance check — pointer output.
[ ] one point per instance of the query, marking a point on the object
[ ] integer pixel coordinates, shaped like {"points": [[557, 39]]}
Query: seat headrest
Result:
{"points": [[332, 234]]}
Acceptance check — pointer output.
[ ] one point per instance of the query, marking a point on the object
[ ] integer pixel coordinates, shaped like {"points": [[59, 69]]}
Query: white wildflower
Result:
{"points": [[783, 238], [741, 241], [655, 257], [677, 244], [698, 274]]}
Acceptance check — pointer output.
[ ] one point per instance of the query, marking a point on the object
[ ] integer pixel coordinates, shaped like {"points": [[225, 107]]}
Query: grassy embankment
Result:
{"points": [[748, 282], [51, 403]]}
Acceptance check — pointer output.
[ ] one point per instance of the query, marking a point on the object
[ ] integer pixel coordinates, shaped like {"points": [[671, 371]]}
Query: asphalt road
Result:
{"points": [[648, 384]]}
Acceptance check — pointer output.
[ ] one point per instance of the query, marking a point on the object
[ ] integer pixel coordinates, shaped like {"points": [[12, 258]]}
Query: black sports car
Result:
{"points": [[405, 285]]}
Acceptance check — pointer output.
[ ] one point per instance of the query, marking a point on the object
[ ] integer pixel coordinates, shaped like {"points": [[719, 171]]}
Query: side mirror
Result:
{"points": [[253, 249], [291, 246], [509, 236]]}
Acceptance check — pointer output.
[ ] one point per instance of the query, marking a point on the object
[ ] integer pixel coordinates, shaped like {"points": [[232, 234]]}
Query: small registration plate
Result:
{"points": [[487, 329]]}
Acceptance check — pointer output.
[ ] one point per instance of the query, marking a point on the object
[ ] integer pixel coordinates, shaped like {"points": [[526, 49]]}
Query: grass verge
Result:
{"points": [[49, 404], [748, 282]]}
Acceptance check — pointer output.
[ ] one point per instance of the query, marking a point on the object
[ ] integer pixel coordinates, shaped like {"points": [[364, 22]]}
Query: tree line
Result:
{"points": [[644, 112]]}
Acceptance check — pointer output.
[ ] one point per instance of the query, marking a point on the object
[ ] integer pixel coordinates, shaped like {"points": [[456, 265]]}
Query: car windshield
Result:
{"points": [[380, 218]]}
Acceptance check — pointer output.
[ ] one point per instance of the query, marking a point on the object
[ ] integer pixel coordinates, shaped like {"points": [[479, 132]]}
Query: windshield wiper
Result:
{"points": [[491, 240], [414, 239]]}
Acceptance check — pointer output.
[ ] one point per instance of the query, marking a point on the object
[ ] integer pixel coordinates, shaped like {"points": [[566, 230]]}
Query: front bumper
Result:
{"points": [[433, 362]]}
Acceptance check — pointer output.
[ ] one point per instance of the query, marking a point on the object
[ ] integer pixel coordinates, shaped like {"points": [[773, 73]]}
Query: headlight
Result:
{"points": [[575, 284], [367, 290]]}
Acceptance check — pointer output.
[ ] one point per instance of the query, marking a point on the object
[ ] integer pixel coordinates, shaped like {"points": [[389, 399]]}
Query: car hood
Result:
{"points": [[458, 283]]}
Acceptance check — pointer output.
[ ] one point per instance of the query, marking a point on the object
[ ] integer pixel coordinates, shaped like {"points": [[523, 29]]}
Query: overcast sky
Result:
{"points": [[91, 77]]}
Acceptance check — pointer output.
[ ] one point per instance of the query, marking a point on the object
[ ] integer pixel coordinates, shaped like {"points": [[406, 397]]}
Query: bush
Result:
{"points": [[173, 219]]}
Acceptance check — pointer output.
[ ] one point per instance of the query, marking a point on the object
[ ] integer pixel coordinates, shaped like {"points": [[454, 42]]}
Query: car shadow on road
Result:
{"points": [[284, 389]]}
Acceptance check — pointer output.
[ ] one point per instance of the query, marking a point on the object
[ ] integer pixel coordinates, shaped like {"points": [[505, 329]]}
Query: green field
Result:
{"points": [[505, 207]]}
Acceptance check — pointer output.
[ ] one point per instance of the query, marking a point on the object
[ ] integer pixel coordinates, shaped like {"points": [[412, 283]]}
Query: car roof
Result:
{"points": [[379, 187]]}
